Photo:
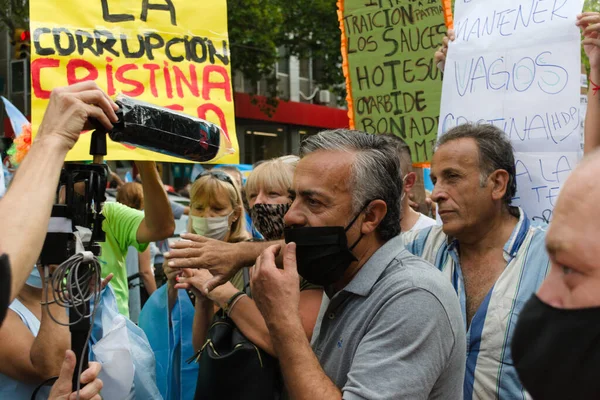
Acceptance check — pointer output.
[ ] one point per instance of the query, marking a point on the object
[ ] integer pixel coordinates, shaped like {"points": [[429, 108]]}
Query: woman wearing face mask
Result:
{"points": [[267, 192], [168, 318]]}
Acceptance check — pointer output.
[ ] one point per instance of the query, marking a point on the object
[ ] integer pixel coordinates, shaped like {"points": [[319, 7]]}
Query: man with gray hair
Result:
{"points": [[390, 323], [487, 248]]}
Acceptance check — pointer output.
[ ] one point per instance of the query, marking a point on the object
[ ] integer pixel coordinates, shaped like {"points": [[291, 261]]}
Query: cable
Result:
{"points": [[72, 288]]}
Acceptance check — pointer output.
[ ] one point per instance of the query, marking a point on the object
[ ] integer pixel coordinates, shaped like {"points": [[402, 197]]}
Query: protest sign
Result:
{"points": [[172, 53], [516, 64], [393, 83]]}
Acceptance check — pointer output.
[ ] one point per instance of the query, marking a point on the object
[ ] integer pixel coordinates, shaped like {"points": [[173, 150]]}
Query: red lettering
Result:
{"points": [[167, 76], [204, 108], [207, 85], [74, 64], [110, 82], [191, 84], [36, 69], [152, 68], [175, 107], [138, 86]]}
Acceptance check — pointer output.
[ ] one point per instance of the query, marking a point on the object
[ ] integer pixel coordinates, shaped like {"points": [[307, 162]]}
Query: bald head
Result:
{"points": [[571, 241], [579, 196]]}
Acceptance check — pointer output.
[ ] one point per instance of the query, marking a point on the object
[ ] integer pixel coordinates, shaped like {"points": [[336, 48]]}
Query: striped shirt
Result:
{"points": [[490, 373]]}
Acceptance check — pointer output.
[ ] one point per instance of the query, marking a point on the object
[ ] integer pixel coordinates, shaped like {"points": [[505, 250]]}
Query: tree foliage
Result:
{"points": [[305, 28], [14, 14]]}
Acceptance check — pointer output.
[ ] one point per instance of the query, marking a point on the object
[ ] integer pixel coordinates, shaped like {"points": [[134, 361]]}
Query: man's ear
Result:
{"points": [[499, 181], [374, 214], [409, 181]]}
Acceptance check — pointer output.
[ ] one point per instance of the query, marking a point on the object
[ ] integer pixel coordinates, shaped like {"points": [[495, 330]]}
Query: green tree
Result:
{"points": [[304, 28], [14, 14]]}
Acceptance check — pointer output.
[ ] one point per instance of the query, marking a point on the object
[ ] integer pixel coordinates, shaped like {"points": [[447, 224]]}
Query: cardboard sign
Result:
{"points": [[516, 64], [393, 83]]}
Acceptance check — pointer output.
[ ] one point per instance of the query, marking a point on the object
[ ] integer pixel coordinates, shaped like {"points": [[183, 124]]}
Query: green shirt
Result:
{"points": [[120, 224]]}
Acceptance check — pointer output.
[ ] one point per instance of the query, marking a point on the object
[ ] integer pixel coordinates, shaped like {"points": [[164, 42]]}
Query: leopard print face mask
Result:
{"points": [[268, 219]]}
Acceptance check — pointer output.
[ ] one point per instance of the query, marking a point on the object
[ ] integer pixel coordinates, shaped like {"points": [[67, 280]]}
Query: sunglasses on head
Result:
{"points": [[222, 176]]}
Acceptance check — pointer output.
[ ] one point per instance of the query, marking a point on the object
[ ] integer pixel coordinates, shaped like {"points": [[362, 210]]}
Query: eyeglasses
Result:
{"points": [[222, 176]]}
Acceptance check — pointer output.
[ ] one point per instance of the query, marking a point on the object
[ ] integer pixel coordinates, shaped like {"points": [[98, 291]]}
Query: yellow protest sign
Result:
{"points": [[172, 53]]}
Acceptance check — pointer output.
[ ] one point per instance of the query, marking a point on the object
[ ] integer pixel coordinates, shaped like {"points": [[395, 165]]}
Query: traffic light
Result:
{"points": [[22, 43]]}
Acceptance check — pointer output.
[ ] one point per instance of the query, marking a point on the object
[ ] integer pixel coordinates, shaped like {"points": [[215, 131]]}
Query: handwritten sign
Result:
{"points": [[516, 64], [173, 53], [393, 83]]}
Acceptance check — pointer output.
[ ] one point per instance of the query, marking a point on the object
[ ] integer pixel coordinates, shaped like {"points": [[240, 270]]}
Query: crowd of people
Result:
{"points": [[315, 278]]}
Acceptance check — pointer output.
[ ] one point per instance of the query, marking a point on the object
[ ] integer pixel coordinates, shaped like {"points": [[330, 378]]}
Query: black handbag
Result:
{"points": [[232, 367]]}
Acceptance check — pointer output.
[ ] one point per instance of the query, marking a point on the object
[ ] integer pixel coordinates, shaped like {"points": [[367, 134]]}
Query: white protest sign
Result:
{"points": [[516, 64]]}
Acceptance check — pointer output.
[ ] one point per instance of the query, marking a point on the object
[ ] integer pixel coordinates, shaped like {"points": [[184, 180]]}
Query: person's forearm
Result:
{"points": [[592, 116], [157, 210], [26, 207], [149, 282], [249, 252], [303, 375], [146, 274], [247, 318], [172, 297], [48, 349], [204, 311]]}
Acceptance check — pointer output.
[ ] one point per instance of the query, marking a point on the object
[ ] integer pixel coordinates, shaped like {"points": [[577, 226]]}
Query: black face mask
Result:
{"points": [[5, 282], [557, 351], [322, 252]]}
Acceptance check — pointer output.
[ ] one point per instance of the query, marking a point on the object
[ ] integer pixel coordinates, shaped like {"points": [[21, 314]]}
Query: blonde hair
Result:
{"points": [[209, 187], [132, 195], [276, 174]]}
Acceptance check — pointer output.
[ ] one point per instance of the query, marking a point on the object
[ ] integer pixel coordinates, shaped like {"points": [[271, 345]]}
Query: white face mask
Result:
{"points": [[211, 227]]}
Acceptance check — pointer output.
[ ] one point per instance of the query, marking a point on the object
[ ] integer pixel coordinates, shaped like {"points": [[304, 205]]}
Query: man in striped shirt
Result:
{"points": [[489, 250]]}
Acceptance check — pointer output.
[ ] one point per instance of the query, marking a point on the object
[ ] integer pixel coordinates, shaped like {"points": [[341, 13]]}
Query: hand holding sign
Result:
{"points": [[589, 22]]}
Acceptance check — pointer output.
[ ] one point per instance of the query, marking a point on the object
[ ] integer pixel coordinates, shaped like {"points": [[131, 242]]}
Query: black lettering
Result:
{"points": [[350, 49], [420, 100], [168, 6], [406, 71], [85, 41], [398, 128], [397, 109], [63, 51], [42, 51], [151, 44], [223, 57], [108, 17], [378, 69], [126, 50], [391, 40], [193, 50], [360, 78], [367, 124], [392, 65], [105, 45], [420, 150], [170, 55]]}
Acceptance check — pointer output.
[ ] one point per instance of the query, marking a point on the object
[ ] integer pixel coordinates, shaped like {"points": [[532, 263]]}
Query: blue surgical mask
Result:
{"points": [[35, 280]]}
